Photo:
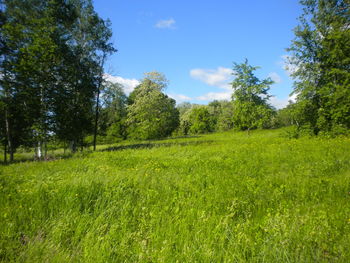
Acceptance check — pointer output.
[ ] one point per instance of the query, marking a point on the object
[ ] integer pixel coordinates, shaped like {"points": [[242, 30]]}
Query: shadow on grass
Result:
{"points": [[50, 157], [151, 145], [147, 145]]}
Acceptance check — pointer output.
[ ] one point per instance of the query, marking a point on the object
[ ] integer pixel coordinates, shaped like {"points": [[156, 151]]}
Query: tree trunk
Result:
{"points": [[96, 116], [73, 146], [45, 150], [39, 150], [8, 135], [11, 155], [98, 99], [82, 145], [5, 152]]}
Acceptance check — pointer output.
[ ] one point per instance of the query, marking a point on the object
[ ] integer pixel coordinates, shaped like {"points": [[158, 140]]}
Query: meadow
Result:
{"points": [[223, 197]]}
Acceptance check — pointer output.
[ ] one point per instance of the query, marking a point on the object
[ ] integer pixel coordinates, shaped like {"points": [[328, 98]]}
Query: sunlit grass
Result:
{"points": [[224, 197]]}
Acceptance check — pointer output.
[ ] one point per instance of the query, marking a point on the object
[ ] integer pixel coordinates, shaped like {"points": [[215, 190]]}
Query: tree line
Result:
{"points": [[52, 57], [52, 86]]}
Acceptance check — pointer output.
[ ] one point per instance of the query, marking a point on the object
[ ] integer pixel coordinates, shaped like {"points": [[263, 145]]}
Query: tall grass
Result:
{"points": [[224, 197]]}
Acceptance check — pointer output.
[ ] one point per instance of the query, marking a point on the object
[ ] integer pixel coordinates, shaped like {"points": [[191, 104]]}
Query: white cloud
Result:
{"points": [[275, 77], [219, 77], [179, 97], [293, 97], [281, 103], [167, 23], [128, 84], [215, 96], [278, 103]]}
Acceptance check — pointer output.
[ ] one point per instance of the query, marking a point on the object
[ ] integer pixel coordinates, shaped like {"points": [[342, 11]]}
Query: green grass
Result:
{"points": [[224, 197]]}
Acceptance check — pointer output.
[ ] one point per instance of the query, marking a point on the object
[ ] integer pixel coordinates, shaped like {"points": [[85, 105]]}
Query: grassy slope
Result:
{"points": [[219, 198]]}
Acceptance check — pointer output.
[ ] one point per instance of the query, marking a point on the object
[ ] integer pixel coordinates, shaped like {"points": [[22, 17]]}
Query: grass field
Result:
{"points": [[224, 197]]}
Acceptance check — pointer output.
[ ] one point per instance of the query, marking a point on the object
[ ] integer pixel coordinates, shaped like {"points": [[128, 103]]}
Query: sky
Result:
{"points": [[195, 43]]}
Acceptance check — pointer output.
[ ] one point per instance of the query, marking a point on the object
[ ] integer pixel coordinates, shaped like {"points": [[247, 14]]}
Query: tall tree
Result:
{"points": [[51, 62], [18, 42], [151, 113], [320, 57], [250, 98]]}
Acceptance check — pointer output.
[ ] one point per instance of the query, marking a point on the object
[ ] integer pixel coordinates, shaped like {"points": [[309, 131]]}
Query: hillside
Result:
{"points": [[223, 197]]}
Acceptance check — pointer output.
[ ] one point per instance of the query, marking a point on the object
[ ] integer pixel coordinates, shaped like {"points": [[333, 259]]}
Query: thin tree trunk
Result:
{"points": [[5, 152], [8, 135], [98, 100], [39, 152], [45, 150], [96, 116], [73, 146], [11, 155]]}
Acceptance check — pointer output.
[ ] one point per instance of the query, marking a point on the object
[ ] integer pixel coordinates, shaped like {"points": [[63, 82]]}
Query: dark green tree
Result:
{"points": [[51, 63], [21, 29], [320, 57]]}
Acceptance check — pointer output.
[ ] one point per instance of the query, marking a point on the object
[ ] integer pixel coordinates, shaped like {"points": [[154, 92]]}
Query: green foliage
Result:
{"points": [[248, 115], [222, 197], [224, 117], [151, 114], [201, 120], [196, 119], [113, 113], [250, 107], [184, 107], [320, 56], [152, 81], [51, 67]]}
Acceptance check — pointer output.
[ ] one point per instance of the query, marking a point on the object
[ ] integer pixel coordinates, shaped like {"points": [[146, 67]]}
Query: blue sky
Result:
{"points": [[194, 43]]}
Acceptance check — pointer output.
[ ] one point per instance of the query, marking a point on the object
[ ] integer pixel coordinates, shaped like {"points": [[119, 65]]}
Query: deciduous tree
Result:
{"points": [[250, 98], [320, 57], [151, 114]]}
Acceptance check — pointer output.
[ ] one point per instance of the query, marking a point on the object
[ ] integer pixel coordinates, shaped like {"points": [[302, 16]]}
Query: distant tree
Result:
{"points": [[196, 119], [225, 118], [113, 112], [185, 123], [201, 120], [156, 80], [320, 57], [151, 114], [250, 98], [152, 81], [184, 107], [214, 109]]}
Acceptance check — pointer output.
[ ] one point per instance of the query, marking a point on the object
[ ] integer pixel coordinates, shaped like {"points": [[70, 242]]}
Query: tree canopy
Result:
{"points": [[320, 57], [250, 98], [151, 113]]}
